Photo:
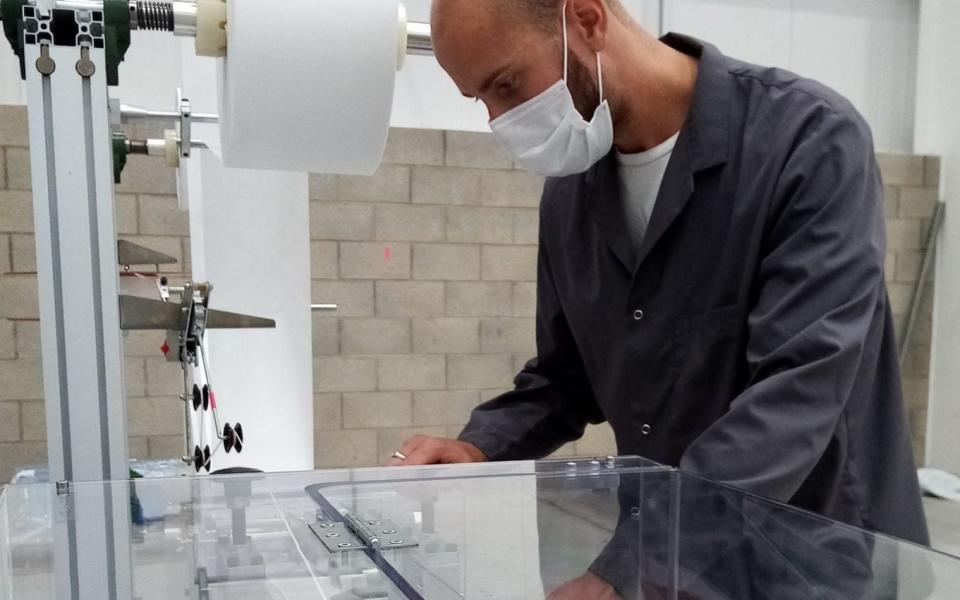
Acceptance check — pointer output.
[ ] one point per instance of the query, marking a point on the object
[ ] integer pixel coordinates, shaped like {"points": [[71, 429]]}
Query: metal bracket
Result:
{"points": [[186, 118], [356, 533]]}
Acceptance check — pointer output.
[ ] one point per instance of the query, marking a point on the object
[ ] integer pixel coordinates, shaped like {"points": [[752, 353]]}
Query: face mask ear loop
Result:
{"points": [[566, 50], [600, 76]]}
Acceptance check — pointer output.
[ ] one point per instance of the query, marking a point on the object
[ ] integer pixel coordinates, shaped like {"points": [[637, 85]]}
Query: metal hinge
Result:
{"points": [[356, 533]]}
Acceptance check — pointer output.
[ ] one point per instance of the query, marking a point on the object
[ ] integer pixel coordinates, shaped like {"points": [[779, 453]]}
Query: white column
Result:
{"points": [[938, 132], [250, 237]]}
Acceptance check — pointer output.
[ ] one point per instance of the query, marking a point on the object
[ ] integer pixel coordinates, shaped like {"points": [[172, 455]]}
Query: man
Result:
{"points": [[711, 262]]}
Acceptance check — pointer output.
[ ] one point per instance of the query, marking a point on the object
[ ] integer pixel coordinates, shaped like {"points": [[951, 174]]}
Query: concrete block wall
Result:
{"points": [[433, 263]]}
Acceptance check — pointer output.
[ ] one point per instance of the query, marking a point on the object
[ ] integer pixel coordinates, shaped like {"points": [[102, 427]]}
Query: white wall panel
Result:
{"points": [[757, 31], [865, 49]]}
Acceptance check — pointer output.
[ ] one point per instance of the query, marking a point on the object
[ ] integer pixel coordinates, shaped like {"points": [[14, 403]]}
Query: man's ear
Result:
{"points": [[589, 19]]}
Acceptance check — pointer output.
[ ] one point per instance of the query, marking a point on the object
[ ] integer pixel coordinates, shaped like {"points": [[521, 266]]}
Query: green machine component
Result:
{"points": [[119, 145], [13, 28], [116, 22]]}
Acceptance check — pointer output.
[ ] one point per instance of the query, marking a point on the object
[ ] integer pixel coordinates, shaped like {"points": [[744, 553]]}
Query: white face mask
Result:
{"points": [[549, 136]]}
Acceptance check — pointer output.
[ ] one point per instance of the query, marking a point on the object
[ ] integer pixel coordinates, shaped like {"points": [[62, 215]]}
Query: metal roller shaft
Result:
{"points": [[419, 40]]}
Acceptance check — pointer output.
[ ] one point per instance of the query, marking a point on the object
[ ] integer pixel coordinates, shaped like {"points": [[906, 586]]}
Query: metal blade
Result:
{"points": [[144, 314], [218, 319], [138, 313], [129, 253]]}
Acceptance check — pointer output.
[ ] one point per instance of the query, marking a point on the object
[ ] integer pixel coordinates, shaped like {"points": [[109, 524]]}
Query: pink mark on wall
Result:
{"points": [[387, 253]]}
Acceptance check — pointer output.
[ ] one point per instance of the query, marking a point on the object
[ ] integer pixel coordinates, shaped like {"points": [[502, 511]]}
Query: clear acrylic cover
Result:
{"points": [[509, 530]]}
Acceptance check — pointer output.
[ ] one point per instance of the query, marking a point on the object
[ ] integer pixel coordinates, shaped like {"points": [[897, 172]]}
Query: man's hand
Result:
{"points": [[586, 586], [424, 450]]}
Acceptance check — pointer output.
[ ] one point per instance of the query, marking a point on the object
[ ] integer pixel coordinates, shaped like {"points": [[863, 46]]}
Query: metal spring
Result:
{"points": [[155, 16]]}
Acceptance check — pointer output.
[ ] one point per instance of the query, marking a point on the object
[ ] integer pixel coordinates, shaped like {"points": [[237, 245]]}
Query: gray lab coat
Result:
{"points": [[749, 339]]}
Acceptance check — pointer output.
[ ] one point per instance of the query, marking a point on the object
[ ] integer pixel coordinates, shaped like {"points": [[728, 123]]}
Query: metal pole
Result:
{"points": [[661, 17], [932, 237], [419, 40], [129, 112]]}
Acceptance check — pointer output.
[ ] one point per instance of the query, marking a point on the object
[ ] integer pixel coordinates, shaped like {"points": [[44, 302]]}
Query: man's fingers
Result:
{"points": [[411, 445], [427, 453], [423, 450], [408, 449]]}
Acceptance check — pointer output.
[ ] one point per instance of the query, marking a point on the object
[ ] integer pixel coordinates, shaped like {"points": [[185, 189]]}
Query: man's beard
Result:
{"points": [[583, 88]]}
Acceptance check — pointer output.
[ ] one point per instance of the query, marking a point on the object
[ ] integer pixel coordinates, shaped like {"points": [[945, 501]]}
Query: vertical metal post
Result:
{"points": [[661, 17], [74, 218], [930, 248]]}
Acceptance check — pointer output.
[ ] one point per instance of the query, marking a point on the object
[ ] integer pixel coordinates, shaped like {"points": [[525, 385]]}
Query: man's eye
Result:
{"points": [[505, 88]]}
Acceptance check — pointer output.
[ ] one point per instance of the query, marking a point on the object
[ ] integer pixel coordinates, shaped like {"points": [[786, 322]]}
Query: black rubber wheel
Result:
{"points": [[229, 437]]}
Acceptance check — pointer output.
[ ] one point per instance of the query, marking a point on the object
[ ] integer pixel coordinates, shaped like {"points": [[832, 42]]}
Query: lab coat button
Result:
{"points": [[646, 429], [638, 315]]}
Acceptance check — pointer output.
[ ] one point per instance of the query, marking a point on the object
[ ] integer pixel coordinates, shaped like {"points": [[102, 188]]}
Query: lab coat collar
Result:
{"points": [[702, 144], [708, 123]]}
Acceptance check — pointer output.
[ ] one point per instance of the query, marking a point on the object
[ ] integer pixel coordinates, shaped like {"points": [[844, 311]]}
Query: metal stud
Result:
{"points": [[45, 64], [85, 67]]}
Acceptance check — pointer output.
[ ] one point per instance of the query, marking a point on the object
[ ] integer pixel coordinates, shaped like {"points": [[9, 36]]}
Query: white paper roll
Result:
{"points": [[307, 85]]}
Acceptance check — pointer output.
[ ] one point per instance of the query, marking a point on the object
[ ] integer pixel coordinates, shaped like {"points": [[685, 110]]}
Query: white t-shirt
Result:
{"points": [[640, 178]]}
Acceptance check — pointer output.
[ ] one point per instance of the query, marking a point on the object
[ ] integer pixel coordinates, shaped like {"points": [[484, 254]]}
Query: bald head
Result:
{"points": [[546, 13]]}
